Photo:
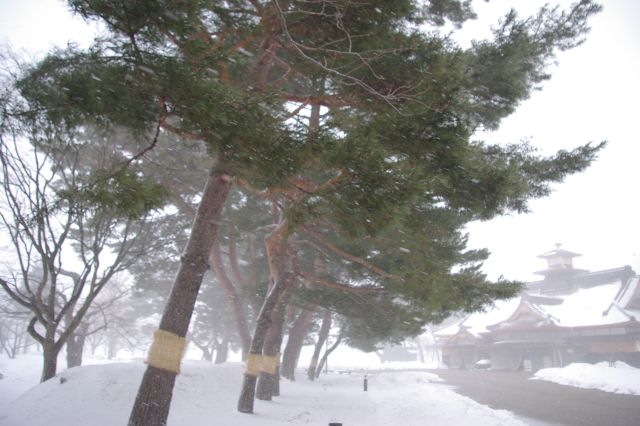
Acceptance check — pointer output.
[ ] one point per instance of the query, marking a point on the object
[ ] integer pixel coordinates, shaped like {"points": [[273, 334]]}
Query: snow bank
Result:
{"points": [[102, 395], [18, 375], [619, 378]]}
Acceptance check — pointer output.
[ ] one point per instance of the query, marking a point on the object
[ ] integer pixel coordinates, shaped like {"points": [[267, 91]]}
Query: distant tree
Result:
{"points": [[297, 335], [212, 329], [328, 351], [102, 314], [129, 326], [14, 338], [323, 334], [65, 248]]}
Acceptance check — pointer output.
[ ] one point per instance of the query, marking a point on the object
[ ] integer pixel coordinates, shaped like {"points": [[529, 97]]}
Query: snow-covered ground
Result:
{"points": [[618, 377], [206, 394], [102, 393]]}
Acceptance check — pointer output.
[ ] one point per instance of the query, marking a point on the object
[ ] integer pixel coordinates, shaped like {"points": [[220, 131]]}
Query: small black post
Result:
{"points": [[365, 383]]}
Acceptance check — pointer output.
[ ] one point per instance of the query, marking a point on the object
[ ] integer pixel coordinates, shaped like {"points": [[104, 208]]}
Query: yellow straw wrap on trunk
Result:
{"points": [[254, 361], [270, 364], [166, 351]]}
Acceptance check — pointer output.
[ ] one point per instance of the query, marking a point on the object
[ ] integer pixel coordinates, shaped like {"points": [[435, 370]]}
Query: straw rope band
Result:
{"points": [[166, 351], [254, 361], [270, 364]]}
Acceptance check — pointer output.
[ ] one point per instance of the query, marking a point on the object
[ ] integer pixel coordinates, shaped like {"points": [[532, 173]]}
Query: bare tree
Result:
{"points": [[65, 248], [13, 328], [102, 313]]}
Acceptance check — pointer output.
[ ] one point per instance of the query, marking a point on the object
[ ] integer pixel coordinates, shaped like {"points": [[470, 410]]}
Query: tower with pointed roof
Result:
{"points": [[559, 271]]}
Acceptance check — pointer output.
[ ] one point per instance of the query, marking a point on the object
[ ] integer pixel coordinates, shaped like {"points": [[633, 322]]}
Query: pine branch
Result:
{"points": [[339, 286], [336, 250]]}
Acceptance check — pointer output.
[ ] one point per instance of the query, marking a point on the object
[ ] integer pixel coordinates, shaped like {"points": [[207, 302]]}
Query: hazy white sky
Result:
{"points": [[592, 96]]}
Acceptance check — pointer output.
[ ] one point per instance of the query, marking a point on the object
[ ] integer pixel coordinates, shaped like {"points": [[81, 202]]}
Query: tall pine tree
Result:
{"points": [[351, 117]]}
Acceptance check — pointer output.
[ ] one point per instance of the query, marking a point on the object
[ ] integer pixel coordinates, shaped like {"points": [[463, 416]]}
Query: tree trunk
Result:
{"points": [[75, 346], [207, 349], [222, 351], [263, 322], [292, 350], [237, 308], [235, 265], [323, 361], [322, 338], [112, 346], [268, 385], [253, 300], [151, 407], [207, 353], [94, 347], [420, 350], [4, 342], [25, 345], [275, 384], [49, 360]]}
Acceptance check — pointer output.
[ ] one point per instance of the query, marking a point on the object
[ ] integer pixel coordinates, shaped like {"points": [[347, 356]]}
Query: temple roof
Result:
{"points": [[559, 252], [605, 304]]}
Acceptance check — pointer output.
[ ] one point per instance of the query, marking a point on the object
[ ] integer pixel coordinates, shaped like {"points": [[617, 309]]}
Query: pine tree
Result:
{"points": [[347, 116]]}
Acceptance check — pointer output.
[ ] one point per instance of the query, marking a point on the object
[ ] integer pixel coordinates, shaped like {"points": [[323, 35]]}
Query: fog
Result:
{"points": [[577, 253]]}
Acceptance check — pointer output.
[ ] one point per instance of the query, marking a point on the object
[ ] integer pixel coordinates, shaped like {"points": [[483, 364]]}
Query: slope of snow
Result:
{"points": [[618, 378], [18, 376], [206, 394]]}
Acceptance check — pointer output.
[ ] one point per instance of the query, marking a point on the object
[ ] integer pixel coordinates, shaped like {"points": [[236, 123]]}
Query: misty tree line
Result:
{"points": [[314, 162]]}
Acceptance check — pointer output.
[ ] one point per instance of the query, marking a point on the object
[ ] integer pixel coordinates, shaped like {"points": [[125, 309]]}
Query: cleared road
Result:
{"points": [[545, 401]]}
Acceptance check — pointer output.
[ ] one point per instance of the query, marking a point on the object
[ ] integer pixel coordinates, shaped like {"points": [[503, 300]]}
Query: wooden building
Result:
{"points": [[571, 315]]}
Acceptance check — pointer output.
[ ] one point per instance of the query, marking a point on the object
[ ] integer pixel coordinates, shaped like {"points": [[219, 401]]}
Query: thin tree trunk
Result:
{"points": [[268, 385], [112, 346], [4, 342], [263, 322], [292, 350], [278, 283], [222, 351], [207, 353], [207, 349], [275, 384], [94, 347], [15, 344], [254, 302], [324, 358], [25, 345], [237, 308], [151, 407], [235, 265], [322, 338], [420, 350]]}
